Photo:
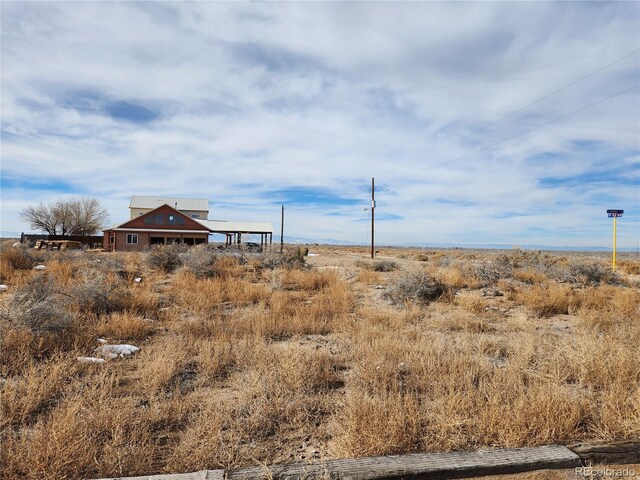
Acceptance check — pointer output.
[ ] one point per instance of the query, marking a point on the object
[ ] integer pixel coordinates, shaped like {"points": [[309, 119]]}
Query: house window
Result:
{"points": [[149, 220], [159, 219], [132, 238], [175, 220], [195, 215]]}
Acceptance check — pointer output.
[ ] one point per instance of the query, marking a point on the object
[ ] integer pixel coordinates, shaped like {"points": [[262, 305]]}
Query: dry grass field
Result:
{"points": [[252, 359]]}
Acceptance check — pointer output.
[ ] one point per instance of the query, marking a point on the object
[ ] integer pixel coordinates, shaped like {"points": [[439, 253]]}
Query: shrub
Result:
{"points": [[201, 261], [18, 258], [489, 273], [165, 258], [37, 307], [519, 258], [290, 258], [444, 261], [379, 266], [98, 293], [527, 259], [114, 262], [418, 287], [385, 266], [591, 274], [363, 264], [533, 262]]}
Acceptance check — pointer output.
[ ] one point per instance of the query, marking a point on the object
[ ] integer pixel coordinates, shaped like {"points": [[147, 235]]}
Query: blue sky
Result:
{"points": [[257, 104]]}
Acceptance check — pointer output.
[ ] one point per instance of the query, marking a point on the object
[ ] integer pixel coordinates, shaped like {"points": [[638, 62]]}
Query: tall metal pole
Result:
{"points": [[614, 213], [282, 231], [614, 243], [373, 208]]}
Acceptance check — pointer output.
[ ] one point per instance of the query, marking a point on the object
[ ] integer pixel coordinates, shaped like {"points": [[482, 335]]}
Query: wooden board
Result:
{"points": [[627, 451], [431, 466], [424, 466], [201, 475]]}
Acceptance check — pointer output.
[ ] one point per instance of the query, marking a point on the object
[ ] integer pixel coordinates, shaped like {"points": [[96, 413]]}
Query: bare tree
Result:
{"points": [[88, 216], [41, 217], [81, 216]]}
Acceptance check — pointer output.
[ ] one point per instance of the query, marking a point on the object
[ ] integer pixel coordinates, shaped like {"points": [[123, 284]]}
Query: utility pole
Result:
{"points": [[282, 231], [373, 209]]}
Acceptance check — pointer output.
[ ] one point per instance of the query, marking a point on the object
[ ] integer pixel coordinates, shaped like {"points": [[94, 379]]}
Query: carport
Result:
{"points": [[233, 231]]}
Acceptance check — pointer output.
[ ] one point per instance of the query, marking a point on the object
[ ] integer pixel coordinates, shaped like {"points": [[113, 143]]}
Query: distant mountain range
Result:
{"points": [[489, 246]]}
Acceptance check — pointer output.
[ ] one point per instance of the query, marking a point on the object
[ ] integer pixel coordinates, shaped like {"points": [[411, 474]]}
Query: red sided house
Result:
{"points": [[160, 226]]}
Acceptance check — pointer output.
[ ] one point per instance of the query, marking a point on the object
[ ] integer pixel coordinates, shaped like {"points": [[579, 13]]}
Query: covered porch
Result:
{"points": [[233, 231]]}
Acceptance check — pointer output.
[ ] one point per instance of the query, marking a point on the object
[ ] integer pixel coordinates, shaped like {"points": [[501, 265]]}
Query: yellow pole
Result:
{"points": [[614, 242]]}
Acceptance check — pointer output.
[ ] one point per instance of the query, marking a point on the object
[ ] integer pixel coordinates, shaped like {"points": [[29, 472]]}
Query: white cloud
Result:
{"points": [[252, 98]]}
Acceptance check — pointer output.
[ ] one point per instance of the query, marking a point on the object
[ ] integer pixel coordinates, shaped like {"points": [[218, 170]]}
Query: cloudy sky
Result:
{"points": [[254, 105]]}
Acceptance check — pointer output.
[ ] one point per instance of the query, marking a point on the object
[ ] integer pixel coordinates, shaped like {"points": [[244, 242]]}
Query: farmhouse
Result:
{"points": [[165, 220]]}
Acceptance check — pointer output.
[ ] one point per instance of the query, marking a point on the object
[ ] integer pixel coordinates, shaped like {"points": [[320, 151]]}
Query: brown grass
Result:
{"points": [[244, 364], [547, 300], [370, 277], [528, 275], [455, 277], [630, 267], [307, 281], [125, 327], [38, 389]]}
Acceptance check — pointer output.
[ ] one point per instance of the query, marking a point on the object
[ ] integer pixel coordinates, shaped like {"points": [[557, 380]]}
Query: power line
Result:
{"points": [[521, 109], [530, 130], [535, 102]]}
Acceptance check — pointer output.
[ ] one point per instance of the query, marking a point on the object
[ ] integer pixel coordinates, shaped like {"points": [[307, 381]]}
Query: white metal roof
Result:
{"points": [[142, 201], [217, 226]]}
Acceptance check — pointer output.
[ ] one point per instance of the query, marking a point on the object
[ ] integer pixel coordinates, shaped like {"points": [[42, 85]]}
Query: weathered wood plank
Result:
{"points": [[621, 452], [427, 466], [201, 475]]}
